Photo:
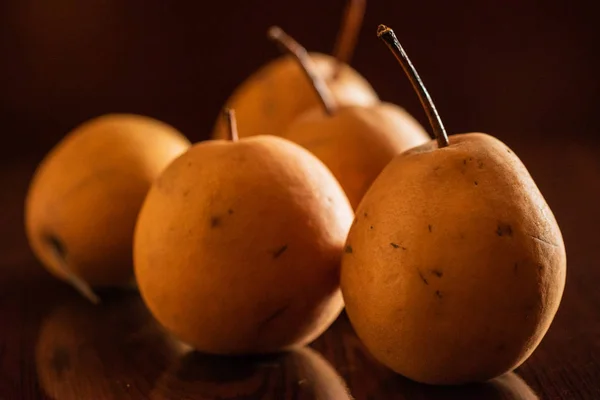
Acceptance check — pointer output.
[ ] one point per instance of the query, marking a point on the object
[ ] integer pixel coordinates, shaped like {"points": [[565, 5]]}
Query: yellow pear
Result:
{"points": [[455, 265], [84, 198], [354, 142], [238, 245], [268, 100]]}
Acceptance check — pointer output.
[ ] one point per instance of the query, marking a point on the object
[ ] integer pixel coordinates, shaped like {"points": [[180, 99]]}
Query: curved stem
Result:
{"points": [[348, 34], [231, 124], [388, 36], [58, 252], [300, 54]]}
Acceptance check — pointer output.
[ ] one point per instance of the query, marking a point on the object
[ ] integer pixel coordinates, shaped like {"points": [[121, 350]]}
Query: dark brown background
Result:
{"points": [[523, 70]]}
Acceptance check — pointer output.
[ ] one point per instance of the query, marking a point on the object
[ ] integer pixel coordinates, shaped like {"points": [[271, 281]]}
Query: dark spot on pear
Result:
{"points": [[504, 229], [57, 244], [280, 251], [215, 221], [186, 193], [277, 313], [230, 211], [516, 267], [437, 168], [476, 183], [437, 273], [438, 294], [371, 227], [423, 278], [189, 163], [465, 161], [430, 228], [480, 164], [365, 214], [348, 249], [540, 267], [394, 245]]}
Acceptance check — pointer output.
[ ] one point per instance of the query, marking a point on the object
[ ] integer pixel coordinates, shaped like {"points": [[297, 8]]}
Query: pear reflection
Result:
{"points": [[101, 352], [509, 386], [298, 374]]}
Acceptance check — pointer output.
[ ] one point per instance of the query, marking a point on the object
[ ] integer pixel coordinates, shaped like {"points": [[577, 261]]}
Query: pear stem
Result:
{"points": [[58, 253], [389, 37], [348, 34], [295, 49], [232, 130]]}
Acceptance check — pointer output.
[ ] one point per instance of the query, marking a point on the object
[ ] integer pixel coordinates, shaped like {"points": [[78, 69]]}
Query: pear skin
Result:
{"points": [[271, 98], [455, 265], [84, 198], [238, 245], [357, 142]]}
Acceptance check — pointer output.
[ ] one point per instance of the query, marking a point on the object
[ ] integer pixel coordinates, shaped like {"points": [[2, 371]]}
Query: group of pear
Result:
{"points": [[312, 196]]}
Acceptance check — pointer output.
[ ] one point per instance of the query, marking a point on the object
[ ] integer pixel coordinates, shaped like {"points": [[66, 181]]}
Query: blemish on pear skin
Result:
{"points": [[186, 193], [397, 246], [230, 211], [439, 294], [437, 273], [516, 267], [273, 316], [189, 163], [371, 227], [348, 249], [480, 164], [60, 361], [366, 214], [280, 251], [476, 183], [56, 244], [215, 221], [430, 228], [504, 229], [425, 281]]}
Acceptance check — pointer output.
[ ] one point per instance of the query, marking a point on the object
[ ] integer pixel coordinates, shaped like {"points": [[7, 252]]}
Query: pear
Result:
{"points": [[238, 245], [269, 99], [355, 142], [84, 198], [455, 265]]}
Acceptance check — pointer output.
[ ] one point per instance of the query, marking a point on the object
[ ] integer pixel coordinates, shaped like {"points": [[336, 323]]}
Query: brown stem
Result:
{"points": [[231, 124], [388, 36], [59, 253], [300, 54], [348, 34]]}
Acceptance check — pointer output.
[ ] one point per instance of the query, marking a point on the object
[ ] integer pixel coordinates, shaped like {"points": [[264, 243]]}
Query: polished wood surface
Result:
{"points": [[54, 345]]}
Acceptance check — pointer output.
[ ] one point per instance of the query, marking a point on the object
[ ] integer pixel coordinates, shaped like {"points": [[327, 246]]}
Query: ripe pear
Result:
{"points": [[455, 265], [354, 142], [238, 245], [272, 97], [84, 198]]}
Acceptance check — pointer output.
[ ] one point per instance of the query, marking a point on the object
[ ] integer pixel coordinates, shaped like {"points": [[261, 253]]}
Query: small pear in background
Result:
{"points": [[238, 244], [85, 196], [355, 142], [268, 100], [455, 265]]}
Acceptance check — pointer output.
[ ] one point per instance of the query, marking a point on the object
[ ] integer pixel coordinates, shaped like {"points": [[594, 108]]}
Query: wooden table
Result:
{"points": [[54, 345]]}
